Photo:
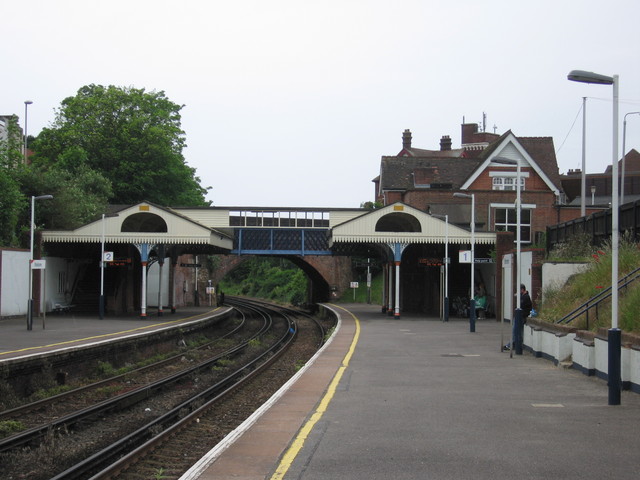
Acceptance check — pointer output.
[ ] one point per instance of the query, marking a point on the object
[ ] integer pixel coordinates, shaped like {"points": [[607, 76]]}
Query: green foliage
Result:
{"points": [[132, 137], [12, 202], [269, 278], [559, 302], [371, 205], [9, 427], [577, 248]]}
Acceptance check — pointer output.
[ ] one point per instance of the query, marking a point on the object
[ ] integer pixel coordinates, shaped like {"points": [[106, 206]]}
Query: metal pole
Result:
{"points": [[446, 268], [583, 183], [615, 382], [101, 305], [472, 301], [518, 325], [30, 301]]}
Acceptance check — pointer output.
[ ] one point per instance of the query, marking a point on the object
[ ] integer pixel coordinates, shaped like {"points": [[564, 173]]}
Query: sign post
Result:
{"points": [[354, 286]]}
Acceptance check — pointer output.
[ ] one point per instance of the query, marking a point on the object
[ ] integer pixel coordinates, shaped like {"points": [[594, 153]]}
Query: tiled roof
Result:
{"points": [[403, 173]]}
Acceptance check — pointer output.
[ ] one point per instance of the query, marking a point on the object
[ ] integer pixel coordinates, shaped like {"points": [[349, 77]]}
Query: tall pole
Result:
{"points": [[30, 300], [26, 104], [446, 268], [101, 306], [472, 301], [517, 345], [614, 336], [583, 180]]}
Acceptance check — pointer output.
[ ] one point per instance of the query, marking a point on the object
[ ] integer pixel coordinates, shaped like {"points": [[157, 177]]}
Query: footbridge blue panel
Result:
{"points": [[281, 241]]}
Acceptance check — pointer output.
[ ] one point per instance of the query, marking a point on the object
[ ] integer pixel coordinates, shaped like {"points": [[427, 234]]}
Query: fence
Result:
{"points": [[597, 226]]}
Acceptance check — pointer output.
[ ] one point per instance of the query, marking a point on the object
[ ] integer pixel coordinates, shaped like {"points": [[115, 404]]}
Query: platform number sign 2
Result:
{"points": [[107, 257]]}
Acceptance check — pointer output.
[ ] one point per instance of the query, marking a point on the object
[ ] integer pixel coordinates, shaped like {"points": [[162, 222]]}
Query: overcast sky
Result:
{"points": [[292, 103]]}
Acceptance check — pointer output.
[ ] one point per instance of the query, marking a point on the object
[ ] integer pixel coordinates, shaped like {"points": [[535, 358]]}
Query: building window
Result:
{"points": [[507, 183], [507, 221]]}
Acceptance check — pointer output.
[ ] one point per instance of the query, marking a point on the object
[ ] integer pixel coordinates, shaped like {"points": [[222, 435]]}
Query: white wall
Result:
{"points": [[555, 275], [153, 277], [14, 291]]}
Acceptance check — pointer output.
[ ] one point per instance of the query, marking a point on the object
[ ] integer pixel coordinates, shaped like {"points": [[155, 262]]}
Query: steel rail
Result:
{"points": [[120, 402], [128, 449]]}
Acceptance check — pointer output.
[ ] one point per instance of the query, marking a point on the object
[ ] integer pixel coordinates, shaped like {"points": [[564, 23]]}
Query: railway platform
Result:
{"points": [[68, 330], [416, 398]]}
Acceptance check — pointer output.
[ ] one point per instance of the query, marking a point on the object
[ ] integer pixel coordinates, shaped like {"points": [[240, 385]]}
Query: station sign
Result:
{"points": [[38, 264], [191, 265], [119, 262], [431, 262], [465, 257]]}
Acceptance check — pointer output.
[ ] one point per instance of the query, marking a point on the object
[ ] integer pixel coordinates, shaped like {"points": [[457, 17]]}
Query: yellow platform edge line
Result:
{"points": [[296, 446]]}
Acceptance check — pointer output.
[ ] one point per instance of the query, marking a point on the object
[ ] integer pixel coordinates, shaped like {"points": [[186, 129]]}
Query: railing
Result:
{"points": [[597, 225], [594, 302]]}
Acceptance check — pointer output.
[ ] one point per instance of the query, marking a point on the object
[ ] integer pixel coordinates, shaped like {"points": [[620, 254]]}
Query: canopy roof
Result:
{"points": [[401, 223], [143, 223]]}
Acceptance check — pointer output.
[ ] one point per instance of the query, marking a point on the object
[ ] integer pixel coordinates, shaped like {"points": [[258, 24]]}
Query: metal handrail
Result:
{"points": [[595, 301]]}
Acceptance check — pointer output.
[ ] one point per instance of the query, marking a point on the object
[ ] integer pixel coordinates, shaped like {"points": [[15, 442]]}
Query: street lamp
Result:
{"points": [[30, 301], [101, 305], [624, 156], [517, 330], [583, 177], [472, 301], [614, 334], [26, 104], [446, 265]]}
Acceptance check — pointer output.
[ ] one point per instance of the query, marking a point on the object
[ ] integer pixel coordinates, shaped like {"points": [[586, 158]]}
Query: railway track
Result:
{"points": [[195, 396]]}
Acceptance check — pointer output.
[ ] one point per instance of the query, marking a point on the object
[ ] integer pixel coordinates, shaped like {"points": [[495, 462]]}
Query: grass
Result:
{"points": [[559, 302]]}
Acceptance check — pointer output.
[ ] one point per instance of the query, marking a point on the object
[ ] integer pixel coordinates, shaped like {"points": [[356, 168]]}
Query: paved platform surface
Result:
{"points": [[423, 399], [55, 332]]}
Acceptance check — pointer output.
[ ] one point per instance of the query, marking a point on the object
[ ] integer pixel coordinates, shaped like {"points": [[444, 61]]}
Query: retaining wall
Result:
{"points": [[585, 351]]}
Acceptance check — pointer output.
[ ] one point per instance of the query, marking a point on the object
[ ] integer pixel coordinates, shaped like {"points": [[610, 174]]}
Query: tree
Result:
{"points": [[12, 202], [132, 137]]}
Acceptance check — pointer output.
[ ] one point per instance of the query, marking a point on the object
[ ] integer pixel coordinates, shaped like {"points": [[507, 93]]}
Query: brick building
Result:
{"points": [[427, 179]]}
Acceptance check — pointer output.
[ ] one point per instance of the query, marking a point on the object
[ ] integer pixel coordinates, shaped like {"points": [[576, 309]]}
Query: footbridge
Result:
{"points": [[398, 236]]}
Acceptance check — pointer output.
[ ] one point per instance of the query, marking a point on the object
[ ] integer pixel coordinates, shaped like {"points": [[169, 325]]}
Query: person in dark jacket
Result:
{"points": [[525, 306], [525, 303]]}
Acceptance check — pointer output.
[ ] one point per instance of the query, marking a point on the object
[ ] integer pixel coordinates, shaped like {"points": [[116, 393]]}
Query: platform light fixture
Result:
{"points": [[614, 336], [30, 300], [26, 104], [472, 301]]}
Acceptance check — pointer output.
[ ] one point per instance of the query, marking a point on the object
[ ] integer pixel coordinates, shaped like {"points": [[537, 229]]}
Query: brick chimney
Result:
{"points": [[445, 143], [468, 131], [406, 139]]}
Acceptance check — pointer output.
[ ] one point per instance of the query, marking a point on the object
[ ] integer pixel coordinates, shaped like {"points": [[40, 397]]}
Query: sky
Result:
{"points": [[293, 103]]}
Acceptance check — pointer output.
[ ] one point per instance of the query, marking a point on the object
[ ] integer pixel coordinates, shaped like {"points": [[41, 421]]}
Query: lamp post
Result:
{"points": [[583, 176], [614, 333], [472, 302], [517, 330], [30, 301], [26, 104], [624, 155], [101, 304], [446, 265]]}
